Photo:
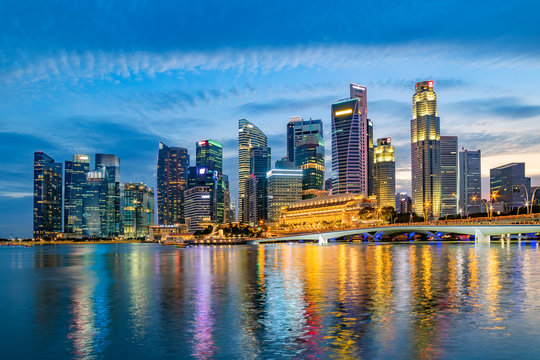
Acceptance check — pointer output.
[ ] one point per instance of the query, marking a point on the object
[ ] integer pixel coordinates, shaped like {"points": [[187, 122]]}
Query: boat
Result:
{"points": [[180, 245]]}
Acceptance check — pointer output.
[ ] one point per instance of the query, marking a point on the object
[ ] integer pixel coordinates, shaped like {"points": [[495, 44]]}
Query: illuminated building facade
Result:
{"points": [[47, 211], [138, 206], [403, 203], [284, 187], [95, 201], [385, 173], [248, 136], [425, 152], [470, 184], [350, 143], [198, 206], [449, 171], [111, 223], [510, 185], [203, 177], [257, 197], [172, 168], [74, 185], [370, 159], [310, 159], [210, 156], [324, 212]]}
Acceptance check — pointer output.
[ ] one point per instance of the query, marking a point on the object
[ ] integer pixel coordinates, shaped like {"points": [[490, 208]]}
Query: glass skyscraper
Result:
{"points": [[172, 169], [425, 152], [248, 136], [260, 164], [350, 143], [111, 224], [74, 186], [138, 206], [470, 184], [209, 155], [449, 167], [385, 173], [284, 187], [510, 185], [47, 211]]}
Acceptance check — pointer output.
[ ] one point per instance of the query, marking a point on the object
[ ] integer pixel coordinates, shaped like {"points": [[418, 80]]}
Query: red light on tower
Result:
{"points": [[430, 83]]}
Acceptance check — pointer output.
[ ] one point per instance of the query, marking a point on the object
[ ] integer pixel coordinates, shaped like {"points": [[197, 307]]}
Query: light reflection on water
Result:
{"points": [[279, 301]]}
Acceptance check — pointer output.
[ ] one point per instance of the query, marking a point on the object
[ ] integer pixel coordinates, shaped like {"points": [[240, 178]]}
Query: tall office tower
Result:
{"points": [[112, 220], [198, 206], [226, 200], [172, 168], [310, 159], [74, 185], [248, 136], [284, 186], [370, 159], [202, 177], [349, 143], [260, 163], [510, 185], [298, 130], [449, 181], [284, 163], [403, 203], [210, 156], [291, 143], [328, 185], [95, 198], [138, 207], [47, 196], [470, 184], [425, 152], [385, 173]]}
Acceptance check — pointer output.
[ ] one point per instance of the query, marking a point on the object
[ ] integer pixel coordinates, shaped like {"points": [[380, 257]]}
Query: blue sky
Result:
{"points": [[117, 77]]}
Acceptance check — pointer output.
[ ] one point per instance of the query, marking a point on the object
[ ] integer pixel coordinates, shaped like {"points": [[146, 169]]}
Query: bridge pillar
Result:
{"points": [[323, 240], [480, 237]]}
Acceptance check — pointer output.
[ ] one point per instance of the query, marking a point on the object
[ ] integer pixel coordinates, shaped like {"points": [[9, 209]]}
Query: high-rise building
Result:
{"points": [[349, 143], [248, 136], [284, 163], [210, 156], [425, 152], [284, 187], [198, 206], [95, 204], [74, 186], [291, 143], [328, 185], [370, 159], [47, 196], [138, 205], [111, 223], [385, 173], [298, 130], [449, 182], [257, 199], [172, 169], [509, 185], [310, 158], [403, 203], [203, 177], [470, 184], [227, 218]]}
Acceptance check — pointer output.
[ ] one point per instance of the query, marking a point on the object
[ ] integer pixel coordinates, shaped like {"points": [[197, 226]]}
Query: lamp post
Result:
{"points": [[426, 204]]}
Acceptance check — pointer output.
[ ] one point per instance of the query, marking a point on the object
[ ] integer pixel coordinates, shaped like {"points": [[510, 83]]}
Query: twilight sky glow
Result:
{"points": [[119, 76]]}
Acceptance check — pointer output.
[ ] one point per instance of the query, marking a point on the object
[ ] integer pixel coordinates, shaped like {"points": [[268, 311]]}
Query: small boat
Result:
{"points": [[180, 245]]}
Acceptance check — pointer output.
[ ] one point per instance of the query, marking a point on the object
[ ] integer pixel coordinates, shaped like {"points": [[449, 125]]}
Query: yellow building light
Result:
{"points": [[343, 112]]}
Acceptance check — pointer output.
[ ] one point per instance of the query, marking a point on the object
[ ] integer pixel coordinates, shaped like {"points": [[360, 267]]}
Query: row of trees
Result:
{"points": [[231, 231]]}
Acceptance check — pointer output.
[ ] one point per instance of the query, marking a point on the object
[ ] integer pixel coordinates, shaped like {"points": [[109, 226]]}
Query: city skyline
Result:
{"points": [[122, 94]]}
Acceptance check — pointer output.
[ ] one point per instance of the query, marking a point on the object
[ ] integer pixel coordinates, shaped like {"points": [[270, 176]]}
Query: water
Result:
{"points": [[137, 301]]}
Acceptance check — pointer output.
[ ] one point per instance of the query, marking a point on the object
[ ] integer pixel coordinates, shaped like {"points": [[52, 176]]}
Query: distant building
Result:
{"points": [[95, 204], [510, 186], [210, 156], [425, 152], [198, 206], [403, 203], [370, 159], [449, 172], [47, 197], [284, 186], [470, 182], [257, 198], [385, 173], [74, 185], [138, 206], [284, 163], [324, 212], [248, 136], [350, 148], [111, 222], [328, 185], [172, 169]]}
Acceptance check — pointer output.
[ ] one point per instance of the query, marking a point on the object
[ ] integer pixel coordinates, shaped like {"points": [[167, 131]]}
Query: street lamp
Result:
{"points": [[426, 204]]}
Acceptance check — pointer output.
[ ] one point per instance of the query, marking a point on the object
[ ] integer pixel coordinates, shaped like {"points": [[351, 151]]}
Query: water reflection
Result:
{"points": [[282, 301]]}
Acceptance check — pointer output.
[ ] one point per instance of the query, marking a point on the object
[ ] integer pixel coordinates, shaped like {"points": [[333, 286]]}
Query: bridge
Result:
{"points": [[482, 230]]}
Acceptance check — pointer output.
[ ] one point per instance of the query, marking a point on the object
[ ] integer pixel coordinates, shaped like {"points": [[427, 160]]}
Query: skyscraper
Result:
{"points": [[403, 203], [210, 156], [425, 152], [291, 138], [257, 199], [510, 185], [284, 187], [47, 196], [248, 136], [111, 223], [385, 173], [172, 168], [370, 159], [310, 158], [449, 163], [138, 204], [95, 204], [198, 206], [470, 184], [74, 185], [349, 143]]}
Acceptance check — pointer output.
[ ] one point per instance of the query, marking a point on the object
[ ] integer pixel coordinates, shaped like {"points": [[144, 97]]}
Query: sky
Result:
{"points": [[120, 76]]}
